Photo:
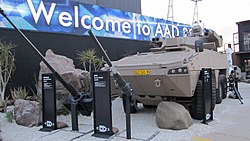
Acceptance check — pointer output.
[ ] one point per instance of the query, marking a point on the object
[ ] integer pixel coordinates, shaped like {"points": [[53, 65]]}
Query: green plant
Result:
{"points": [[9, 116], [19, 93], [63, 111], [33, 90], [89, 60]]}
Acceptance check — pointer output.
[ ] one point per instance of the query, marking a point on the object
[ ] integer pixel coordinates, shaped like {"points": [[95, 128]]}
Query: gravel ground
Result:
{"points": [[143, 125]]}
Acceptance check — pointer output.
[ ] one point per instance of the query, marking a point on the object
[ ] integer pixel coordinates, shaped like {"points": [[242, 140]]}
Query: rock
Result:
{"points": [[232, 96], [27, 113], [61, 124], [171, 115], [77, 78], [115, 130]]}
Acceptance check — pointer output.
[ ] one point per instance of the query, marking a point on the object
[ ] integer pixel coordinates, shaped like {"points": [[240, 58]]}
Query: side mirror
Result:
{"points": [[198, 45]]}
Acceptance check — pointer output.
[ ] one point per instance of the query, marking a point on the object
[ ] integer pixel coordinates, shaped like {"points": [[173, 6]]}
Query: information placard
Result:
{"points": [[207, 94], [102, 104], [49, 102]]}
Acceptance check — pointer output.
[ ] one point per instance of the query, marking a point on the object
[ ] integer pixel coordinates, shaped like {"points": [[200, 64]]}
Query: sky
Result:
{"points": [[218, 15]]}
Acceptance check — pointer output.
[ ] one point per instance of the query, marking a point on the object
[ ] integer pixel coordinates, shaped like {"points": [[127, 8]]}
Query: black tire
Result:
{"points": [[224, 86], [133, 105], [197, 102], [221, 91], [197, 108]]}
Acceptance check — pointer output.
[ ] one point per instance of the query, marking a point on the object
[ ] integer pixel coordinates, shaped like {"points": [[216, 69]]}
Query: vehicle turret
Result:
{"points": [[211, 40]]}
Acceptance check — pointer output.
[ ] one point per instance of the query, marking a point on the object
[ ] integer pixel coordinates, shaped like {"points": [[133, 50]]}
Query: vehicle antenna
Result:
{"points": [[170, 15], [195, 16]]}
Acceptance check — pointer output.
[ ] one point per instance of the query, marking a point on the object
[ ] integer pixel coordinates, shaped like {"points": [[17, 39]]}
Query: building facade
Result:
{"points": [[244, 47], [124, 5]]}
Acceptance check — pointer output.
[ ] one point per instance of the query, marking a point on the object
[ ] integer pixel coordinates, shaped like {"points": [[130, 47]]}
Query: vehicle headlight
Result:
{"points": [[182, 70], [173, 71]]}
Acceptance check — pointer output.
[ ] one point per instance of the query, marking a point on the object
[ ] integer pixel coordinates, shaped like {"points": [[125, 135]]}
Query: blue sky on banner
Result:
{"points": [[70, 17]]}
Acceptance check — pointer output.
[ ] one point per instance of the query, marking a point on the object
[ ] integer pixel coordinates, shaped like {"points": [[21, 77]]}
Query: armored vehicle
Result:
{"points": [[171, 71]]}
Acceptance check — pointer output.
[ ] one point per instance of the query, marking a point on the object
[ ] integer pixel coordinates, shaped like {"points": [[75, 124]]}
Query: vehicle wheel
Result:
{"points": [[197, 108], [221, 91], [224, 86], [219, 94], [197, 102], [133, 105]]}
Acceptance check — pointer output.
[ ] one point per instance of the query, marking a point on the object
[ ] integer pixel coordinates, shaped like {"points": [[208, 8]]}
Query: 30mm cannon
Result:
{"points": [[83, 99]]}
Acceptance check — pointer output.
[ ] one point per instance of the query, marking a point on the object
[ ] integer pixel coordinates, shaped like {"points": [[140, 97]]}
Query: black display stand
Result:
{"points": [[206, 74], [102, 104], [49, 102]]}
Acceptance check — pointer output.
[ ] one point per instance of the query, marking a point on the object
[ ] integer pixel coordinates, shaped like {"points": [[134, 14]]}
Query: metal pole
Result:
{"points": [[74, 116], [128, 122]]}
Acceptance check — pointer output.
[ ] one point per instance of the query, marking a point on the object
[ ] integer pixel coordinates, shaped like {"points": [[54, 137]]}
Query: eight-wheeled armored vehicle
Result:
{"points": [[171, 71]]}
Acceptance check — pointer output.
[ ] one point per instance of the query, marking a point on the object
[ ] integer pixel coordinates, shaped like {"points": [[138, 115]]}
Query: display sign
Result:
{"points": [[49, 102], [72, 17], [102, 104], [206, 74]]}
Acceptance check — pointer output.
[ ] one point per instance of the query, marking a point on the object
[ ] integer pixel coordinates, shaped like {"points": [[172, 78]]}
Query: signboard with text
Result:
{"points": [[71, 17], [49, 102]]}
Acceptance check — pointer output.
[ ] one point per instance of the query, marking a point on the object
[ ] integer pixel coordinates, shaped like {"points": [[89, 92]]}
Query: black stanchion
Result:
{"points": [[49, 102], [102, 104], [128, 120], [74, 115], [206, 75]]}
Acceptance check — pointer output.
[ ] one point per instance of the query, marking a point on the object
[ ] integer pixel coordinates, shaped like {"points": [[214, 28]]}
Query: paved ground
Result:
{"points": [[231, 123]]}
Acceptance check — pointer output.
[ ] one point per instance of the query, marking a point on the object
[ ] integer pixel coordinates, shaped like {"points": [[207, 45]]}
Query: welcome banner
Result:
{"points": [[72, 17]]}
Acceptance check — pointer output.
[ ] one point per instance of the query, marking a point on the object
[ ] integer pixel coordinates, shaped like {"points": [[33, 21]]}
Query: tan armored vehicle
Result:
{"points": [[171, 71]]}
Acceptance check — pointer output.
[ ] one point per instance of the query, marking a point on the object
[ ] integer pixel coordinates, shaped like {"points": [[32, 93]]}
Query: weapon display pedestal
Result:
{"points": [[102, 104], [49, 102], [206, 76]]}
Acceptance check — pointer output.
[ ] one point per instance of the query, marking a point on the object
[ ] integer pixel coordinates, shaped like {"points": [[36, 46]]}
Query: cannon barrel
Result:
{"points": [[124, 86]]}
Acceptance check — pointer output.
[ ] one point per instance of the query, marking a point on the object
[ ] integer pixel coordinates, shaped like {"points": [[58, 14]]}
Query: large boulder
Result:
{"points": [[77, 78], [27, 113], [171, 115]]}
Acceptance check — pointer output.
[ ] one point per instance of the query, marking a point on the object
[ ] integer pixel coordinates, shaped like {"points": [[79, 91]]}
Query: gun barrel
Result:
{"points": [[121, 82], [100, 46], [72, 91]]}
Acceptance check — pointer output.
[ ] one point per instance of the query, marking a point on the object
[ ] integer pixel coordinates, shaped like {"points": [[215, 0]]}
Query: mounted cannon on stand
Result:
{"points": [[79, 101], [233, 85]]}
